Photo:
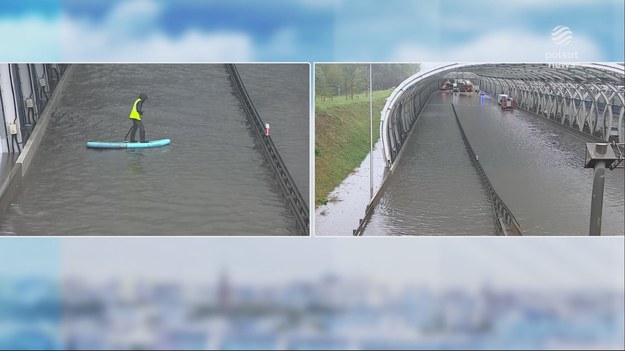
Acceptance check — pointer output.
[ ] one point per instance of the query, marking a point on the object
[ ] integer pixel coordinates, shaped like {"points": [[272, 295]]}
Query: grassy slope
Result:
{"points": [[342, 138]]}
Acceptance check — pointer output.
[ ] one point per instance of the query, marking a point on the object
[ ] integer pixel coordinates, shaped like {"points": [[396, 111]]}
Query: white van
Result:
{"points": [[501, 98]]}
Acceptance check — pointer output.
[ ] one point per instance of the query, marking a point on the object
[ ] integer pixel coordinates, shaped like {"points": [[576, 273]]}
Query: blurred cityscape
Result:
{"points": [[327, 312]]}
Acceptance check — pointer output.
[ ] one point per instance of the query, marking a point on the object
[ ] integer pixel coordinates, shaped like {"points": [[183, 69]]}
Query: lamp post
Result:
{"points": [[599, 156], [370, 133]]}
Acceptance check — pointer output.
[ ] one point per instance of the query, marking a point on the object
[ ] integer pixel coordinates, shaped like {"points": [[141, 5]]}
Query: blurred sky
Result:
{"points": [[307, 30], [30, 258], [546, 263]]}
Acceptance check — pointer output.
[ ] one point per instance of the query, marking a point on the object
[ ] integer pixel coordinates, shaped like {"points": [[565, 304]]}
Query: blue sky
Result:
{"points": [[23, 8], [307, 30], [30, 257]]}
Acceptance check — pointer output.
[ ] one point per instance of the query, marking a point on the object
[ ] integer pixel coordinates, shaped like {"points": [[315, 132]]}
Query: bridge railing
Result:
{"points": [[416, 114], [506, 222], [294, 197]]}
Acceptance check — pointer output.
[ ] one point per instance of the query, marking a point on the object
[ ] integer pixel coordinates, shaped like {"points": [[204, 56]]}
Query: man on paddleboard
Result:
{"points": [[135, 116]]}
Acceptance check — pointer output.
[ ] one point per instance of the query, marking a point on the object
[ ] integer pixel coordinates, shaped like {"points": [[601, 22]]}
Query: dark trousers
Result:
{"points": [[137, 124]]}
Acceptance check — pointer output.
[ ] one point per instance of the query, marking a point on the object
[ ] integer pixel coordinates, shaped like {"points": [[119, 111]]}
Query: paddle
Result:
{"points": [[126, 137]]}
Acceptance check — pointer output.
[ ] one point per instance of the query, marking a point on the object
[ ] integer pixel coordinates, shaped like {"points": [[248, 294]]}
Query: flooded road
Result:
{"points": [[211, 180], [273, 95], [435, 190], [536, 168]]}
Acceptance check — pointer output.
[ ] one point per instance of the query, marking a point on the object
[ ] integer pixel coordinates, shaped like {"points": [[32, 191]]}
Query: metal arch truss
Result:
{"points": [[588, 97]]}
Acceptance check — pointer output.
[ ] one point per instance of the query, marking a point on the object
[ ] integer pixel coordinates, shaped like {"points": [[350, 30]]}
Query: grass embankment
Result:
{"points": [[342, 138]]}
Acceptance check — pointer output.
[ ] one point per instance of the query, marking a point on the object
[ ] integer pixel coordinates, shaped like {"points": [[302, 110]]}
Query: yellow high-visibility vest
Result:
{"points": [[134, 114]]}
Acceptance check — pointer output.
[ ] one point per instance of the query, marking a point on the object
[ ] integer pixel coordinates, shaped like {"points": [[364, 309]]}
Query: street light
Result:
{"points": [[599, 156], [370, 132]]}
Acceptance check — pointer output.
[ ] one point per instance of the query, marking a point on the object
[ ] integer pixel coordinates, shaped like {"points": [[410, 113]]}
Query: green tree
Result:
{"points": [[388, 75], [355, 79], [321, 84]]}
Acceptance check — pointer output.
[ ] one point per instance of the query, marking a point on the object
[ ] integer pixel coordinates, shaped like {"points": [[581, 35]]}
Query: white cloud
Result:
{"points": [[84, 41], [130, 33], [30, 38], [133, 17], [135, 10], [510, 46]]}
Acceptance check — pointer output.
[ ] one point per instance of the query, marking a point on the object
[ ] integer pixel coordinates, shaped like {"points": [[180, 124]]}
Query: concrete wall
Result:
{"points": [[13, 183]]}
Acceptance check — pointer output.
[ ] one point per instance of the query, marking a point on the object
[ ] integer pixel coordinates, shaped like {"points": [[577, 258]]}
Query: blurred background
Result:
{"points": [[273, 293], [185, 293], [309, 30]]}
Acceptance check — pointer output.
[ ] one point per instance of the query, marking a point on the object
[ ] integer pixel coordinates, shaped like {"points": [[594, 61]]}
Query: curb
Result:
{"points": [[13, 183]]}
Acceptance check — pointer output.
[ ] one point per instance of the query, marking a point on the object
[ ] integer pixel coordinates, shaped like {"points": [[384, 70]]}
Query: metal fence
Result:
{"points": [[290, 190], [505, 220]]}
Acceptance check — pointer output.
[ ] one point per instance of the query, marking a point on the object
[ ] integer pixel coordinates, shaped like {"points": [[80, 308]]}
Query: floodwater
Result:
{"points": [[536, 168], [289, 123], [212, 180], [435, 190], [347, 202]]}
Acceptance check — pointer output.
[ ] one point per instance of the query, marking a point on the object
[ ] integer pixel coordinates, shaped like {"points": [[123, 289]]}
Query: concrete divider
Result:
{"points": [[10, 187], [13, 183]]}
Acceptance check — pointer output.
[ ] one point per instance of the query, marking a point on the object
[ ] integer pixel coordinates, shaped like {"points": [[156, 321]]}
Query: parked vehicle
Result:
{"points": [[501, 98], [508, 104], [613, 135]]}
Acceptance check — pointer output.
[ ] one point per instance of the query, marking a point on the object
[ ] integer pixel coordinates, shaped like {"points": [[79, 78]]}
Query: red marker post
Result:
{"points": [[266, 129]]}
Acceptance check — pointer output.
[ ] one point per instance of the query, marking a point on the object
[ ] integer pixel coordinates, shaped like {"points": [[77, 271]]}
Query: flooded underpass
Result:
{"points": [[435, 189], [212, 179], [536, 168]]}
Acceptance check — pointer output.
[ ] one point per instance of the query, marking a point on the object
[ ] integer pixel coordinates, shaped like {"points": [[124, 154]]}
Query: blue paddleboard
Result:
{"points": [[126, 145]]}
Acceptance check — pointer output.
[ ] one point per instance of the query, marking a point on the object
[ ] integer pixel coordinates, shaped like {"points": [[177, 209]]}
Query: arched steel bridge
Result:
{"points": [[588, 97]]}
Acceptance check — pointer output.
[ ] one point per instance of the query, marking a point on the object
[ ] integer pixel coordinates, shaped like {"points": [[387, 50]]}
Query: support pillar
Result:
{"points": [[596, 206]]}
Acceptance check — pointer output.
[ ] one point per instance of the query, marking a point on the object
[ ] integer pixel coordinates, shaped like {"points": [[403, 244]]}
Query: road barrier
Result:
{"points": [[505, 221], [295, 199]]}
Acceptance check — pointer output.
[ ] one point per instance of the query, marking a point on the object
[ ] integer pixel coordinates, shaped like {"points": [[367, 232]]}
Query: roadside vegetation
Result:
{"points": [[342, 117]]}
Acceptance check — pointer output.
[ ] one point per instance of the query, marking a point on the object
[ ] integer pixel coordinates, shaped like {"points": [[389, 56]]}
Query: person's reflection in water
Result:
{"points": [[135, 161]]}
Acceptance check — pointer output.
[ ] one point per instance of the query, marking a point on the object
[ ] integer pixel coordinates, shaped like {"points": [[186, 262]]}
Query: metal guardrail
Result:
{"points": [[295, 199], [619, 151], [506, 222], [563, 127], [362, 222]]}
